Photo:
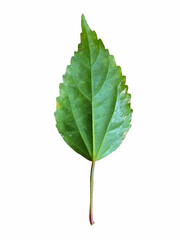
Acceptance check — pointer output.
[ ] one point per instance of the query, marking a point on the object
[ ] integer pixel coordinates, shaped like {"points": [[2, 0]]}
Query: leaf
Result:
{"points": [[93, 110]]}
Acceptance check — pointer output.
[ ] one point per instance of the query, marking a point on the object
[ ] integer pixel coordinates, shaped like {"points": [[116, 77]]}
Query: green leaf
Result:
{"points": [[93, 110]]}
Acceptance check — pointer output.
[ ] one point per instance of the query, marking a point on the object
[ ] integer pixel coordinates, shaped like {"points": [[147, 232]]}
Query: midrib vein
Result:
{"points": [[92, 106]]}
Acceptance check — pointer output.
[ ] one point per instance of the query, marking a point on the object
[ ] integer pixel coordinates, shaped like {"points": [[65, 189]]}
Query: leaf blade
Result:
{"points": [[99, 101]]}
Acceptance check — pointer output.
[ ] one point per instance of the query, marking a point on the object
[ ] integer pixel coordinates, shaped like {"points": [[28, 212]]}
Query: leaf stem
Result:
{"points": [[91, 193]]}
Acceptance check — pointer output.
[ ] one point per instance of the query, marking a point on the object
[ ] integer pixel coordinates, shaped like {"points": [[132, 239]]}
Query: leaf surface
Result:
{"points": [[93, 110]]}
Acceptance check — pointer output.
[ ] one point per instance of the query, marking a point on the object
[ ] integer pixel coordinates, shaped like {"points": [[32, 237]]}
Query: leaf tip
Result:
{"points": [[84, 23], [83, 19]]}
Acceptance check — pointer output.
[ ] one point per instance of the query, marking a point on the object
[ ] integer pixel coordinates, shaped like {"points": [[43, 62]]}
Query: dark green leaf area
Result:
{"points": [[67, 125], [93, 111]]}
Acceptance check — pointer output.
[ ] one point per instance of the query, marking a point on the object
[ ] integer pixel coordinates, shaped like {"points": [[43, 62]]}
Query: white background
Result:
{"points": [[44, 184]]}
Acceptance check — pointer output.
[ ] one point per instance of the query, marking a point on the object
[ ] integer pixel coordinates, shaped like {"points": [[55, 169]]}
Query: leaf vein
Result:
{"points": [[112, 145], [108, 125], [78, 147], [80, 90], [78, 126], [96, 57], [82, 62]]}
